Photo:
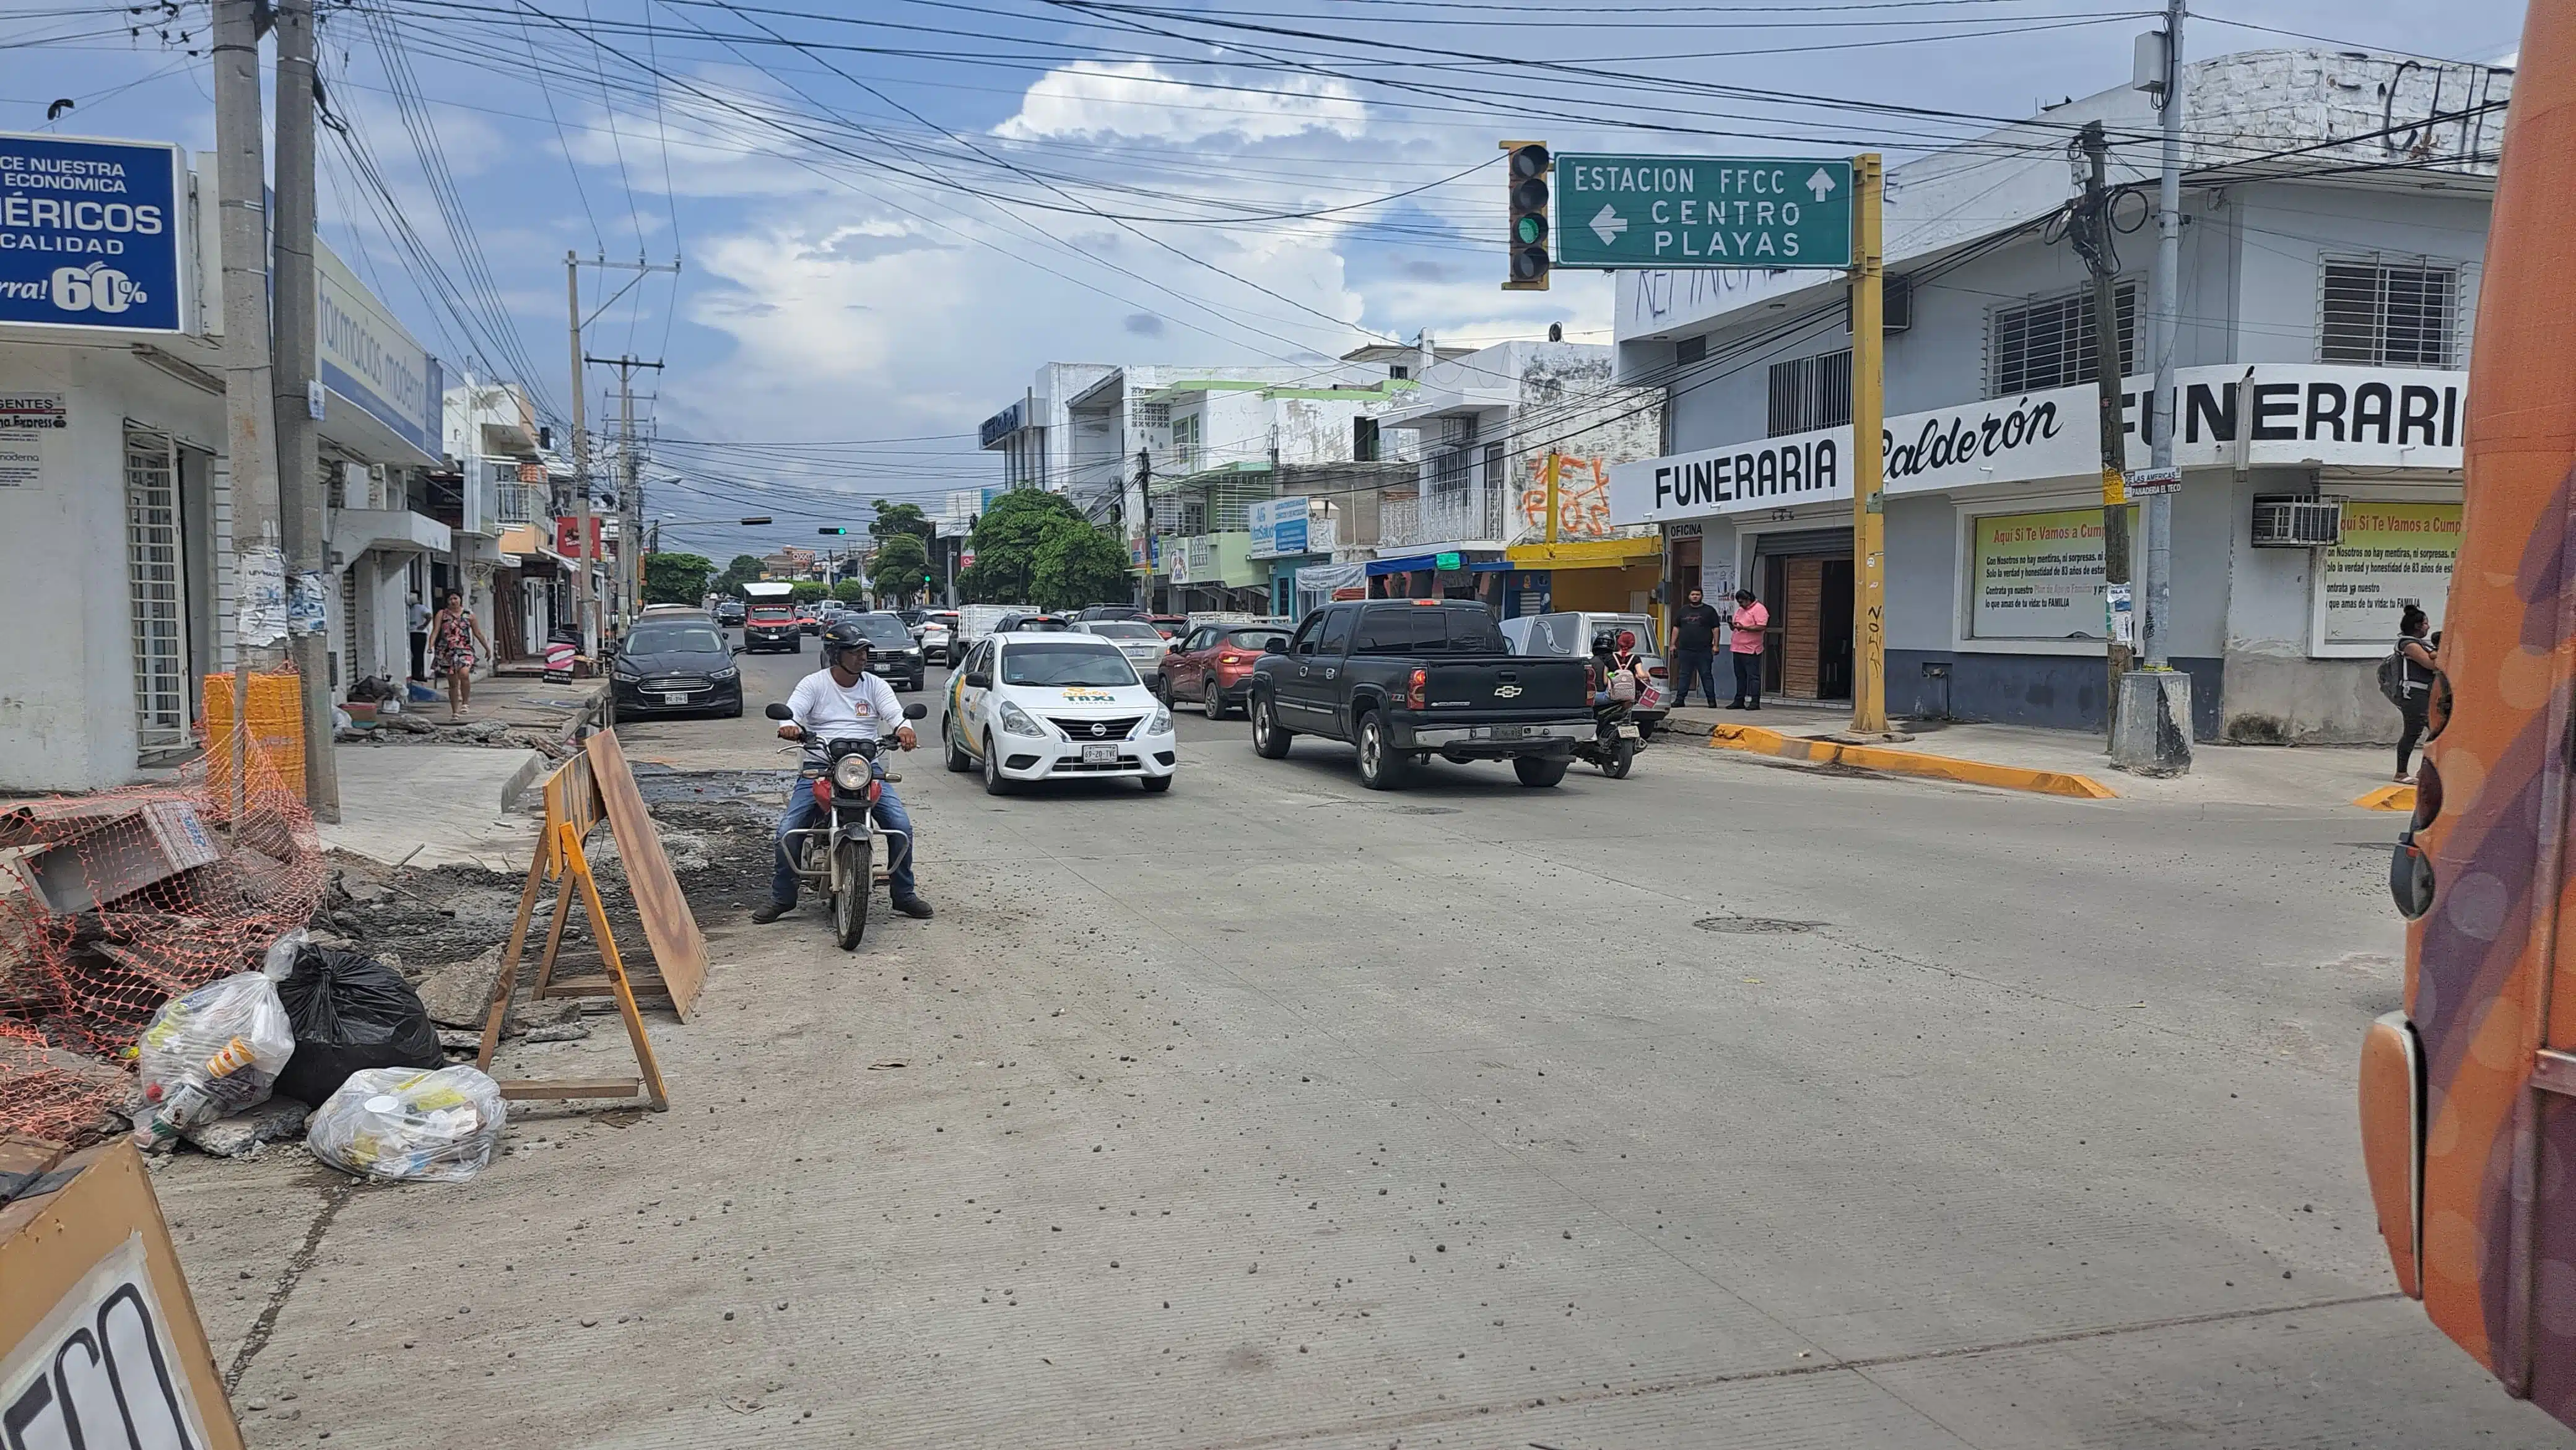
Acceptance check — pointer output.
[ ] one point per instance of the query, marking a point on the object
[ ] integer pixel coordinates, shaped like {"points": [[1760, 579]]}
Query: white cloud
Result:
{"points": [[1141, 99]]}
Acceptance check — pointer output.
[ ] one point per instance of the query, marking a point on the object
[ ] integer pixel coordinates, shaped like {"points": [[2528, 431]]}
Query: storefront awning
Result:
{"points": [[1586, 553], [1412, 562]]}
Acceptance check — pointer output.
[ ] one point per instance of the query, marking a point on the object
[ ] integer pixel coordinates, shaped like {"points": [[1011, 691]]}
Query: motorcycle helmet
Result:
{"points": [[842, 635]]}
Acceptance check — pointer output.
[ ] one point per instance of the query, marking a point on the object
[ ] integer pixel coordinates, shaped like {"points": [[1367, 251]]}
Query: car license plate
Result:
{"points": [[1506, 732], [1099, 754], [1627, 732], [675, 697]]}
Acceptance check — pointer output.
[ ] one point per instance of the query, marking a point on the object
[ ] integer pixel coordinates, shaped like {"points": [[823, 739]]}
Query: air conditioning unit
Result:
{"points": [[2298, 523]]}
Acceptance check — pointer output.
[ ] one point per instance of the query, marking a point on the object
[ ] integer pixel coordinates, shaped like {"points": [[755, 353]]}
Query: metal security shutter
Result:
{"points": [[156, 598], [347, 665]]}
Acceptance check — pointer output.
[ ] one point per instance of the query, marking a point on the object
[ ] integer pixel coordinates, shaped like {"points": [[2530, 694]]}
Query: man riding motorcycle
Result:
{"points": [[838, 702]]}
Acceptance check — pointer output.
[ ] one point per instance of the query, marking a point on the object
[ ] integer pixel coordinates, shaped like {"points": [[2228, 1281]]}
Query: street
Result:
{"points": [[1726, 1104]]}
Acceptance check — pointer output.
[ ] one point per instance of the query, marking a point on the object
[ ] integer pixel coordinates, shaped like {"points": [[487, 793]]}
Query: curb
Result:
{"points": [[1759, 741], [2387, 798]]}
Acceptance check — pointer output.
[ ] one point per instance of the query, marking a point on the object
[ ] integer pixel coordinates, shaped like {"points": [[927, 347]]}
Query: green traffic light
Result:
{"points": [[1531, 230]]}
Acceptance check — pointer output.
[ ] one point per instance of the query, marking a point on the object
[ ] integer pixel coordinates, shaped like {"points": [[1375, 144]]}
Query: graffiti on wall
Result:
{"points": [[1582, 498]]}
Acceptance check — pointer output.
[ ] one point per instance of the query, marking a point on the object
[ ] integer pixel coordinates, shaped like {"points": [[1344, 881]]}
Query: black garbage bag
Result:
{"points": [[350, 1011]]}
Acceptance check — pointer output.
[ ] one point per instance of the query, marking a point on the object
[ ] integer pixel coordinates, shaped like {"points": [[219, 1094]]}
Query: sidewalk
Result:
{"points": [[435, 805], [2323, 776]]}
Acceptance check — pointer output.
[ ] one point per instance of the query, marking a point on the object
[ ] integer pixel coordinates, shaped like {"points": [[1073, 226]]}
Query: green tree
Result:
{"points": [[900, 518], [1007, 538], [901, 561], [676, 578], [1078, 565], [851, 592], [744, 569], [805, 591]]}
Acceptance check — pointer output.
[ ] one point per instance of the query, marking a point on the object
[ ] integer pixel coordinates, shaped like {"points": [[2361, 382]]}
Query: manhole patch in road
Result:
{"points": [[1754, 925]]}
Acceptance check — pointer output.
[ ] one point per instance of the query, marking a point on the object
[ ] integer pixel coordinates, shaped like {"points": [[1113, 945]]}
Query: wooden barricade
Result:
{"points": [[592, 787]]}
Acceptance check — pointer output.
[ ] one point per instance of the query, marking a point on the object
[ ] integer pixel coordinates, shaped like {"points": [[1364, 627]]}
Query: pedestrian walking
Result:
{"points": [[1694, 649], [419, 616], [2414, 686], [455, 632], [1744, 642]]}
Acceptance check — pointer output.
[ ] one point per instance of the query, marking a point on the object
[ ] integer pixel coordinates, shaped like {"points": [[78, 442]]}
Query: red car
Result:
{"points": [[1173, 626], [1213, 665]]}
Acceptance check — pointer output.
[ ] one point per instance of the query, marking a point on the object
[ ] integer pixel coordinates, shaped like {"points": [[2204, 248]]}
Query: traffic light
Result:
{"points": [[833, 529], [1526, 174]]}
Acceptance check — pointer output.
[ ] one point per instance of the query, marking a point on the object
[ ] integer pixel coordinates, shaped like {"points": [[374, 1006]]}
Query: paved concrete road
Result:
{"points": [[1720, 1106]]}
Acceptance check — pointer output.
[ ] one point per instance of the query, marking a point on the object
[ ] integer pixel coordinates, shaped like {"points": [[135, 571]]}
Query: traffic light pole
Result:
{"points": [[1869, 454]]}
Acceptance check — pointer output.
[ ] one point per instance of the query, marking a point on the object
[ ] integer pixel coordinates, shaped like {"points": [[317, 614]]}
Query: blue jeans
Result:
{"points": [[1748, 678], [1689, 664], [803, 811]]}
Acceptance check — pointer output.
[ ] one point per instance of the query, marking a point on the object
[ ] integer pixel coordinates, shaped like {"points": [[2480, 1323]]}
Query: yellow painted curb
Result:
{"points": [[1760, 741], [2390, 797]]}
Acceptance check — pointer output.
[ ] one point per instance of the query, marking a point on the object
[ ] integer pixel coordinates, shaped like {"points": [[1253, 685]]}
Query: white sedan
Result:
{"points": [[1055, 706], [1142, 644]]}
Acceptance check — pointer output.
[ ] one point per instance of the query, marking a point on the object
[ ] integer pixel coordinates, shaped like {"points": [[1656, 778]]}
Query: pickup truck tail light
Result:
{"points": [[1413, 690]]}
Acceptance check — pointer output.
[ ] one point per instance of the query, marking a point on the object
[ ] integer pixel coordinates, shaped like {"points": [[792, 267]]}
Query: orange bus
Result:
{"points": [[2468, 1095]]}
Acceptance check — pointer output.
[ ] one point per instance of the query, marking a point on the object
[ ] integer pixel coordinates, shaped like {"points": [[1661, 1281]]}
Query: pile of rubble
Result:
{"points": [[413, 727]]}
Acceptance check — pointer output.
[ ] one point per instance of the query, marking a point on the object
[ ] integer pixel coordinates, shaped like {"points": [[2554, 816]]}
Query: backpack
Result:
{"points": [[2392, 675]]}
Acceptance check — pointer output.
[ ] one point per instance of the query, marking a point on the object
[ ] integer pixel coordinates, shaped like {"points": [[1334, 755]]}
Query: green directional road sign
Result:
{"points": [[1702, 211]]}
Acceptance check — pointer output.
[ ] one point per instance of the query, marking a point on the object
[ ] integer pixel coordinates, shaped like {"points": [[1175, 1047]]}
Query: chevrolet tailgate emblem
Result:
{"points": [[1508, 692]]}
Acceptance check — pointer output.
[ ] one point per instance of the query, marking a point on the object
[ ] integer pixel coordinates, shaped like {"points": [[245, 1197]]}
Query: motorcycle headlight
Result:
{"points": [[1017, 721], [850, 773], [727, 673], [1161, 724]]}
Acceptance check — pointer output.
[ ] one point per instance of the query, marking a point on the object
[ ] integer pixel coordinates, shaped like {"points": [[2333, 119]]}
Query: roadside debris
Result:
{"points": [[208, 1054], [397, 1124], [350, 1012]]}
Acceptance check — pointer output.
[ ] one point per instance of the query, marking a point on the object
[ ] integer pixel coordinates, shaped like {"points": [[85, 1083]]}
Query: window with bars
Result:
{"points": [[2049, 343], [1811, 392], [157, 601], [1185, 442], [2385, 314], [1153, 417]]}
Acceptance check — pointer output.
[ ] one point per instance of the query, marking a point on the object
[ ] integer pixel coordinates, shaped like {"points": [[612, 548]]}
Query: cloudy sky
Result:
{"points": [[889, 213]]}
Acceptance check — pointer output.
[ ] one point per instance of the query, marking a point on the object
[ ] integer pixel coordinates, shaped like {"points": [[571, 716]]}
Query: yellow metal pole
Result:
{"points": [[1868, 463], [1551, 495]]}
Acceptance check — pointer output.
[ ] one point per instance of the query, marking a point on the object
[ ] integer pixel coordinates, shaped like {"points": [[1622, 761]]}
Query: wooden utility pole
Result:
{"points": [[2091, 233], [1868, 454], [301, 526]]}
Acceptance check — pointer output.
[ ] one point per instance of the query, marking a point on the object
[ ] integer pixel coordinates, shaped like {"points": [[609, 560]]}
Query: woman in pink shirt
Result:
{"points": [[1744, 645]]}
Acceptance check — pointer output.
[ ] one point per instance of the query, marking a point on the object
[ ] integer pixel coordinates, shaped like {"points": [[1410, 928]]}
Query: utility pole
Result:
{"points": [[250, 422], [585, 613], [1869, 453], [2158, 707], [2090, 230], [299, 488], [630, 502], [1145, 502]]}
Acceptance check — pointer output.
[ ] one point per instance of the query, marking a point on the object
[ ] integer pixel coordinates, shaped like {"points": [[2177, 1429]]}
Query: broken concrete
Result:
{"points": [[460, 993], [241, 1134]]}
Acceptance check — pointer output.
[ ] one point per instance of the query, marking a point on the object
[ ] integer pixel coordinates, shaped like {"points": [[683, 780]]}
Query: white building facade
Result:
{"points": [[2326, 303]]}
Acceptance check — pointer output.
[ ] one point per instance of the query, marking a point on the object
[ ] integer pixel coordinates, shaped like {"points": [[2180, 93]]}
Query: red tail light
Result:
{"points": [[1413, 690], [1658, 672], [1229, 659], [822, 790]]}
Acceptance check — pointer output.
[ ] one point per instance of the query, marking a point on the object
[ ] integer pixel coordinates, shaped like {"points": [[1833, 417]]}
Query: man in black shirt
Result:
{"points": [[1694, 650]]}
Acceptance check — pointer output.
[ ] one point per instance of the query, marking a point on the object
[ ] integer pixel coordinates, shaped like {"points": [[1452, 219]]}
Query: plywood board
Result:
{"points": [[679, 948]]}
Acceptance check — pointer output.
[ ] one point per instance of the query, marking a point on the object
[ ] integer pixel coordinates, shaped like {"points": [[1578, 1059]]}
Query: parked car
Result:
{"points": [[938, 637], [1212, 664], [1570, 633], [1406, 680], [729, 612], [770, 628], [1141, 643], [1050, 706], [670, 663], [892, 656]]}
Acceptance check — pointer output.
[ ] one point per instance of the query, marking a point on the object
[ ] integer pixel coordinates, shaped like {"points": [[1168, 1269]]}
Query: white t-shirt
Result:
{"points": [[867, 710]]}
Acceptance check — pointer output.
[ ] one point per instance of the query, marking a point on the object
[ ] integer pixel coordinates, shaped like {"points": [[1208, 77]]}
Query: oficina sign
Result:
{"points": [[90, 234], [2397, 418]]}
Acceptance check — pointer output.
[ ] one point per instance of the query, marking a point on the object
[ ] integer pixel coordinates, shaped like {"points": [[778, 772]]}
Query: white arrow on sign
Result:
{"points": [[1821, 184], [1608, 225]]}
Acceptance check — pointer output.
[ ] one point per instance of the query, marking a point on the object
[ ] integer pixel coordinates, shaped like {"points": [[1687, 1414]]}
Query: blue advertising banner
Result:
{"points": [[91, 234]]}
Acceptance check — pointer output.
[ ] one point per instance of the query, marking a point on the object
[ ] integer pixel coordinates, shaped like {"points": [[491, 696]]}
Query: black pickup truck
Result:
{"points": [[1404, 680]]}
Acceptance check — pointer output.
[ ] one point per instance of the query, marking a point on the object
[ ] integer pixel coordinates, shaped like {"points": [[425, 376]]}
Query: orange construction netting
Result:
{"points": [[128, 897]]}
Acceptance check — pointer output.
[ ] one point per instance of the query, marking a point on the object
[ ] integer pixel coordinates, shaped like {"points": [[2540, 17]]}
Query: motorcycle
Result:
{"points": [[1615, 738], [846, 856]]}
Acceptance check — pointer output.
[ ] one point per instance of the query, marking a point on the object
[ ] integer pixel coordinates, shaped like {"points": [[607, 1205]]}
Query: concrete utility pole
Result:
{"points": [[2090, 230], [585, 612], [2157, 707], [250, 424], [1145, 500], [1869, 453], [630, 503], [301, 525]]}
